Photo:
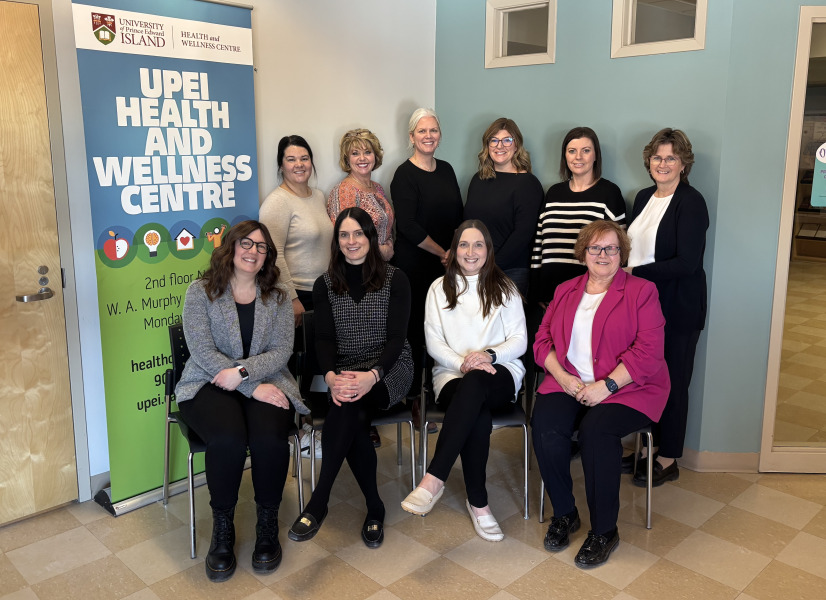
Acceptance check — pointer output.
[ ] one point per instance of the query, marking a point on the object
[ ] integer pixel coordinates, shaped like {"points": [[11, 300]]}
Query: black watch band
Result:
{"points": [[611, 385], [380, 371], [492, 354]]}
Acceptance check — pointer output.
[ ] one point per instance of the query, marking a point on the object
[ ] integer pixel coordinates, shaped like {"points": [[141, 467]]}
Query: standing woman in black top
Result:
{"points": [[361, 309], [668, 240], [428, 206], [506, 197], [583, 196]]}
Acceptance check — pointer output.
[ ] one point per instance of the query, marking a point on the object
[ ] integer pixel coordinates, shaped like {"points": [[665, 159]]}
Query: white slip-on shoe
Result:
{"points": [[486, 526], [420, 501]]}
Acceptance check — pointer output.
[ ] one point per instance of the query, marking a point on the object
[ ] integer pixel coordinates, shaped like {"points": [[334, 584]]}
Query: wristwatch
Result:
{"points": [[244, 373], [611, 385], [380, 371], [492, 355]]}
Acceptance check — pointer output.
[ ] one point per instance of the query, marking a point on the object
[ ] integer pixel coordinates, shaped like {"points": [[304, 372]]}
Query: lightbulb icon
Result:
{"points": [[152, 238]]}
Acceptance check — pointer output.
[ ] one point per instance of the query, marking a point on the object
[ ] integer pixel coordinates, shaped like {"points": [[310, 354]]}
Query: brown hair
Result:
{"points": [[373, 269], [361, 138], [679, 142], [596, 229], [575, 134], [521, 159], [221, 265], [494, 286]]}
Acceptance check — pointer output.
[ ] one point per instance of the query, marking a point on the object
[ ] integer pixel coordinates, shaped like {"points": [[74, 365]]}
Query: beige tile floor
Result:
{"points": [[801, 395], [715, 536]]}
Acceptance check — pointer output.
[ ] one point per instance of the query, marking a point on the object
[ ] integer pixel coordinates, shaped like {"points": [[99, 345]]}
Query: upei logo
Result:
{"points": [[103, 27]]}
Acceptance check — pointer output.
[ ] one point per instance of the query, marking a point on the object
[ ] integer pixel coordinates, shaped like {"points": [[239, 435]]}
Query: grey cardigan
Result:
{"points": [[213, 336]]}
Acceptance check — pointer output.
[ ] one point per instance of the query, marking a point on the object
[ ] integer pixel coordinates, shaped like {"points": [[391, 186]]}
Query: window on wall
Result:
{"points": [[658, 26], [520, 33]]}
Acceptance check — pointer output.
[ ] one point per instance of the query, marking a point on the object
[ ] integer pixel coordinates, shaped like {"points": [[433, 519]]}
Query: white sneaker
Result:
{"points": [[306, 438]]}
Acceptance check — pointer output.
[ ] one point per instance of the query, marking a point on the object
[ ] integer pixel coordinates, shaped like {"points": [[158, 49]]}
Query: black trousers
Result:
{"points": [[669, 433], [601, 429], [229, 423], [467, 426], [347, 436]]}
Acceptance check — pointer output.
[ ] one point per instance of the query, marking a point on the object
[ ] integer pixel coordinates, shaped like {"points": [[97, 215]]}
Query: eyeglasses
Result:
{"points": [[597, 250], [247, 243], [506, 142], [669, 160]]}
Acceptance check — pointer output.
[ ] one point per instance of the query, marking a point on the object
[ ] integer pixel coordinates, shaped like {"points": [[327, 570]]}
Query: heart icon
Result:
{"points": [[185, 240]]}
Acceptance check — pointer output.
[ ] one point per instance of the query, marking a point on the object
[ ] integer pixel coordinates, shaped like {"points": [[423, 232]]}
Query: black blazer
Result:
{"points": [[677, 269]]}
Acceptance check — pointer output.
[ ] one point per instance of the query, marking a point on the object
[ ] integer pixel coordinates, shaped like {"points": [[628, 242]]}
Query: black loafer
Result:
{"points": [[596, 549], [660, 474], [372, 532], [305, 527], [558, 531], [375, 438]]}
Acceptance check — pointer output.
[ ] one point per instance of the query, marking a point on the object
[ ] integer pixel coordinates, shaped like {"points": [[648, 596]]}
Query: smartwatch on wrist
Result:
{"points": [[492, 355], [611, 385], [244, 373]]}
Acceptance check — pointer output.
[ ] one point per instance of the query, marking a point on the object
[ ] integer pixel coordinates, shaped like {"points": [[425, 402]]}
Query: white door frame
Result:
{"points": [[787, 458], [61, 191]]}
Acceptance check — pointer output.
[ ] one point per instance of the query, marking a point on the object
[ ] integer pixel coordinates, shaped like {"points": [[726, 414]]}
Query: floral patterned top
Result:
{"points": [[346, 195]]}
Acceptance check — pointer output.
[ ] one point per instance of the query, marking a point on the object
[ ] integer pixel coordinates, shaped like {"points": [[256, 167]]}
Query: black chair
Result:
{"points": [[512, 415], [180, 354], [317, 399], [645, 431]]}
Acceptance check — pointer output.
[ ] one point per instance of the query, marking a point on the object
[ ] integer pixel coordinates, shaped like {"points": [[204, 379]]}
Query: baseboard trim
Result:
{"points": [[717, 462]]}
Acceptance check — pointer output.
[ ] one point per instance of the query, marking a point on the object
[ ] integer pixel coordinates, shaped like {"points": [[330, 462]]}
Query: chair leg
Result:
{"points": [[542, 501], [412, 457], [526, 460], [312, 461], [423, 457], [191, 480], [399, 443], [297, 469], [166, 464], [649, 482]]}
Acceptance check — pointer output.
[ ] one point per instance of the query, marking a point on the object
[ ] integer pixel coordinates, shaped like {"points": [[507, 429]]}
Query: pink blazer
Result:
{"points": [[628, 328]]}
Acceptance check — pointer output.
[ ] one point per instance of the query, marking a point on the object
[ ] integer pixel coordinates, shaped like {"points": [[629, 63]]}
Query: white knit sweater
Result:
{"points": [[453, 334]]}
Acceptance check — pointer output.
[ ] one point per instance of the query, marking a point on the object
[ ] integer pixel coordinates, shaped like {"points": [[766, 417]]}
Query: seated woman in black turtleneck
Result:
{"points": [[362, 305]]}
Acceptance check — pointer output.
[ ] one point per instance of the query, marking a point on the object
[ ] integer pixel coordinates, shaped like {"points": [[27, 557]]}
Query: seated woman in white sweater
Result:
{"points": [[475, 332]]}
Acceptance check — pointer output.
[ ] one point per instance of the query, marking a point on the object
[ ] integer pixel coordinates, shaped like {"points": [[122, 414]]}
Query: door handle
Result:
{"points": [[43, 294]]}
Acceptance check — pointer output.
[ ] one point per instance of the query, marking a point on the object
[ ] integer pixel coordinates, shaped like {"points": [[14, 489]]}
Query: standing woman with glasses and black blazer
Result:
{"points": [[235, 390], [668, 235], [506, 197]]}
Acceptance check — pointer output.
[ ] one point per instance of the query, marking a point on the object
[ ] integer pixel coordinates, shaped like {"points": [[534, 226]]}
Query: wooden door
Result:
{"points": [[37, 453]]}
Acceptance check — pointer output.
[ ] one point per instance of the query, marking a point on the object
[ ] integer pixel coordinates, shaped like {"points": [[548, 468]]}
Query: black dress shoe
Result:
{"points": [[596, 549], [660, 476], [375, 438], [558, 531], [372, 532], [267, 553], [305, 527]]}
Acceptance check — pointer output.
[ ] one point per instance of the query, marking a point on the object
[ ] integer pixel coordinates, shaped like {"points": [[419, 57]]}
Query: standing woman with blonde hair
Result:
{"points": [[360, 153], [506, 197], [428, 206]]}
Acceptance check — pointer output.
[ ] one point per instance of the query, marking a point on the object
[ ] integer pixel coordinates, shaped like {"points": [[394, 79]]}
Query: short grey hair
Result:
{"points": [[418, 115]]}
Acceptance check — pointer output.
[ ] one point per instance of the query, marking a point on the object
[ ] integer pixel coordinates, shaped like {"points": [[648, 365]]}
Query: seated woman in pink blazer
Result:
{"points": [[601, 344]]}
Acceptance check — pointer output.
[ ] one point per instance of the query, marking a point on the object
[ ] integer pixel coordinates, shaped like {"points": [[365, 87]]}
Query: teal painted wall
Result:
{"points": [[732, 99]]}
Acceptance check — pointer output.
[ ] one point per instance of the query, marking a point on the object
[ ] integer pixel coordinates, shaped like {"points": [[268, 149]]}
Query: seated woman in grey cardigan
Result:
{"points": [[475, 331], [236, 392]]}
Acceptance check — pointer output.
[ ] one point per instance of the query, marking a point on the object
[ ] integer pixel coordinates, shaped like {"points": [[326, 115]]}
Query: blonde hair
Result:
{"points": [[361, 138], [521, 159]]}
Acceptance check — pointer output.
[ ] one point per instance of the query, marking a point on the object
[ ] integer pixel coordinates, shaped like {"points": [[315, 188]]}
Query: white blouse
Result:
{"points": [[643, 231], [580, 351]]}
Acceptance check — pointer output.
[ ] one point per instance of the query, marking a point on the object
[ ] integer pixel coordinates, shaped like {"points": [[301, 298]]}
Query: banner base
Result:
{"points": [[104, 496]]}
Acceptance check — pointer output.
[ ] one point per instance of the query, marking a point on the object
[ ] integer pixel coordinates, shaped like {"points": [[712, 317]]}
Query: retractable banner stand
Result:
{"points": [[169, 120]]}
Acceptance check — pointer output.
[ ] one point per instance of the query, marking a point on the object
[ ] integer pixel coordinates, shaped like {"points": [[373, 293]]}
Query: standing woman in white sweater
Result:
{"points": [[475, 332]]}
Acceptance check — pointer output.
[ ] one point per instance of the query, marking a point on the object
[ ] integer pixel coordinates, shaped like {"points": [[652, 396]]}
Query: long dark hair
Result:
{"points": [[494, 286], [221, 265], [372, 270]]}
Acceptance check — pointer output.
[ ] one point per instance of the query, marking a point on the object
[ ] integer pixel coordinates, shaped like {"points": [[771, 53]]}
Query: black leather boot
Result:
{"points": [[267, 554], [220, 562]]}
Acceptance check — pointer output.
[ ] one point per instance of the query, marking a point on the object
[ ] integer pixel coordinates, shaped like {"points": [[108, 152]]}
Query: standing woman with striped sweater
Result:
{"points": [[582, 197]]}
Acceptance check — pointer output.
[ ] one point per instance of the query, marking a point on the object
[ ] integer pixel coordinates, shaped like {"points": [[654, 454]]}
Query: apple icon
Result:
{"points": [[115, 248]]}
